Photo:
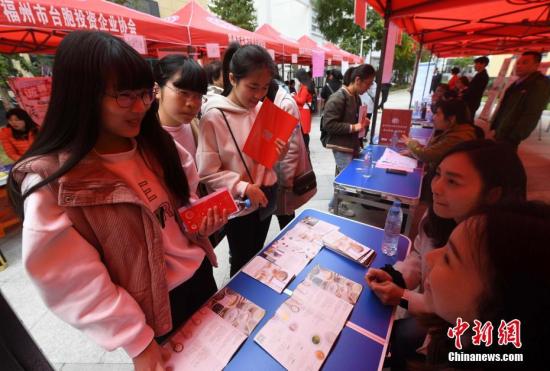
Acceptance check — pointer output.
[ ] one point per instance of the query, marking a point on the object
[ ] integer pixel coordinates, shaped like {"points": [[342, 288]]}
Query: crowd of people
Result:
{"points": [[123, 147]]}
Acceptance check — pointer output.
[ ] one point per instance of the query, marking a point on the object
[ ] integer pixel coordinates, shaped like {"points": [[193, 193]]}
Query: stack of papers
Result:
{"points": [[350, 248], [305, 327], [393, 160], [213, 334]]}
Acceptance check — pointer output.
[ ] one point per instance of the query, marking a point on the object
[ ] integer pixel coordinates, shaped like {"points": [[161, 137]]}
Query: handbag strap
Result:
{"points": [[236, 145]]}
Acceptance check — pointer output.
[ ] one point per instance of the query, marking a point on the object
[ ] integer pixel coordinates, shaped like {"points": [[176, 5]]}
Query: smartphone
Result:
{"points": [[395, 171]]}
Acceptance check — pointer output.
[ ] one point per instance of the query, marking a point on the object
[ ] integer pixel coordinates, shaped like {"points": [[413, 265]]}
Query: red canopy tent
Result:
{"points": [[289, 45], [204, 27], [352, 58], [307, 42], [38, 26]]}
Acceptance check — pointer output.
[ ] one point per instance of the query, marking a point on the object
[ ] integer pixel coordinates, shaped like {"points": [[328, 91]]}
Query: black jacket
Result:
{"points": [[342, 111], [475, 91]]}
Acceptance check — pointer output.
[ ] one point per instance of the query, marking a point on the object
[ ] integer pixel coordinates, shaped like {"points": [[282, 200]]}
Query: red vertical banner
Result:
{"points": [[393, 30], [360, 12], [33, 95]]}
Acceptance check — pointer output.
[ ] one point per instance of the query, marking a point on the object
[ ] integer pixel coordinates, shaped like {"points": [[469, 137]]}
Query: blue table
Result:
{"points": [[363, 341], [380, 189]]}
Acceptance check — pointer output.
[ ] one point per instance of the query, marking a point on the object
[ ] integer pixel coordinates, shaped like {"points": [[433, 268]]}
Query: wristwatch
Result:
{"points": [[404, 301]]}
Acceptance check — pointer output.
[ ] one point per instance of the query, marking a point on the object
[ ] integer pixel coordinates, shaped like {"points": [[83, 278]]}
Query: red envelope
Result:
{"points": [[270, 124], [193, 215]]}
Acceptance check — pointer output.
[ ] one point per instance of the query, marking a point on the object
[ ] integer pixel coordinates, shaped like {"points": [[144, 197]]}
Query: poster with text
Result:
{"points": [[212, 50], [33, 95], [398, 120]]}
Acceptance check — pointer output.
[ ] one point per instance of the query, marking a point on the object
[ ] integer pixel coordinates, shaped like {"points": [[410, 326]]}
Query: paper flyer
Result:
{"points": [[305, 327], [335, 283], [270, 124], [268, 273], [210, 338]]}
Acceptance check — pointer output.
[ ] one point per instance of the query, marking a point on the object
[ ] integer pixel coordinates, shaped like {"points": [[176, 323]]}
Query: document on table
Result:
{"points": [[393, 160], [213, 334], [268, 273], [305, 327], [348, 247]]}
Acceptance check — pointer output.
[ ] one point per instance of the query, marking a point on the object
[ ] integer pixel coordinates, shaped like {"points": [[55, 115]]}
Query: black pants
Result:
{"points": [[285, 219], [246, 236], [407, 336], [188, 297], [306, 141]]}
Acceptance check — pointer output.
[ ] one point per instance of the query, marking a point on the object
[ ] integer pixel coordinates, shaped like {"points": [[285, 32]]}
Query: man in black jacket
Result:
{"points": [[477, 85], [523, 102]]}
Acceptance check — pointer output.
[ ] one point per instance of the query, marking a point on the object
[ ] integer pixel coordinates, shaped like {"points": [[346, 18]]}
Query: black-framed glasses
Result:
{"points": [[185, 94], [127, 98]]}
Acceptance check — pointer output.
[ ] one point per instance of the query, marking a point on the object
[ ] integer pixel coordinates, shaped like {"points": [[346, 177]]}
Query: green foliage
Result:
{"points": [[9, 64], [461, 62], [335, 20], [241, 13]]}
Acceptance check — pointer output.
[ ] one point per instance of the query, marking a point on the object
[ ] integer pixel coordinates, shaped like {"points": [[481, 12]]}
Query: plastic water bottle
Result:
{"points": [[392, 229], [394, 140], [368, 162]]}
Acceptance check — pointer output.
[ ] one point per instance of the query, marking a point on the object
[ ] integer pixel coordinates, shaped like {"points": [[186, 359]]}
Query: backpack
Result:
{"points": [[324, 133]]}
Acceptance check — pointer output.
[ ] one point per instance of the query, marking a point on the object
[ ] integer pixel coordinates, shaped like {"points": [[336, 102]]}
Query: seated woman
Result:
{"points": [[472, 176], [19, 134], [452, 119], [494, 270]]}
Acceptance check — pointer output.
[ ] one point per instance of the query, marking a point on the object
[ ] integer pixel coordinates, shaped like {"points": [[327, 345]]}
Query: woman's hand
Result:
{"points": [[377, 275], [281, 148], [388, 292], [212, 222], [255, 195], [152, 358], [405, 139]]}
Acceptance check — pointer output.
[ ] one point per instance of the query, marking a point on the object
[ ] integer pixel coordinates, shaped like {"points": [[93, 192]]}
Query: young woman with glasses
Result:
{"points": [[100, 190]]}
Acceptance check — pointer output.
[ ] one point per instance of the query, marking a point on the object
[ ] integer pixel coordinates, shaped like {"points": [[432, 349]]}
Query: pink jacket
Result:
{"points": [[98, 204]]}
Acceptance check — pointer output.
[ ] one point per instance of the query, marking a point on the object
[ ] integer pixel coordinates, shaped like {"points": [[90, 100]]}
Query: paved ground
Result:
{"points": [[69, 350]]}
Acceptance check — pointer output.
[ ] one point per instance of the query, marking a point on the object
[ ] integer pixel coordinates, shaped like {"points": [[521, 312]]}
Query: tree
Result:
{"points": [[240, 13], [335, 20], [12, 66]]}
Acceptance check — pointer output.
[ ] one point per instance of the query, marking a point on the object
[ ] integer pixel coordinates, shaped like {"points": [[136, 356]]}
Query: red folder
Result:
{"points": [[270, 124], [193, 215]]}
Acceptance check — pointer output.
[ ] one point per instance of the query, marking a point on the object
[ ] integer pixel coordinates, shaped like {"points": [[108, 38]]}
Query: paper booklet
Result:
{"points": [[305, 327], [393, 160], [342, 244], [268, 273], [193, 215], [214, 333]]}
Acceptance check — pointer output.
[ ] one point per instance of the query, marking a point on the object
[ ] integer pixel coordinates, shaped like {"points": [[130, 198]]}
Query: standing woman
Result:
{"points": [[19, 134], [100, 189], [225, 125], [341, 120], [180, 84], [304, 99]]}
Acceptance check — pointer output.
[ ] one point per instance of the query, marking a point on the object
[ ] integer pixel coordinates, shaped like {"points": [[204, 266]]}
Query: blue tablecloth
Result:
{"points": [[353, 350]]}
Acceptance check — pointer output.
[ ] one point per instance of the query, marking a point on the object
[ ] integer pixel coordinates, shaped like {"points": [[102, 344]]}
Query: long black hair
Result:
{"points": [[498, 166], [244, 60], [85, 64], [191, 75], [30, 125]]}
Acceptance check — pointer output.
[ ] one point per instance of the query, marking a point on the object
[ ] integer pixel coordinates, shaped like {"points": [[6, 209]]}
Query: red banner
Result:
{"points": [[360, 13], [33, 95], [271, 123]]}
